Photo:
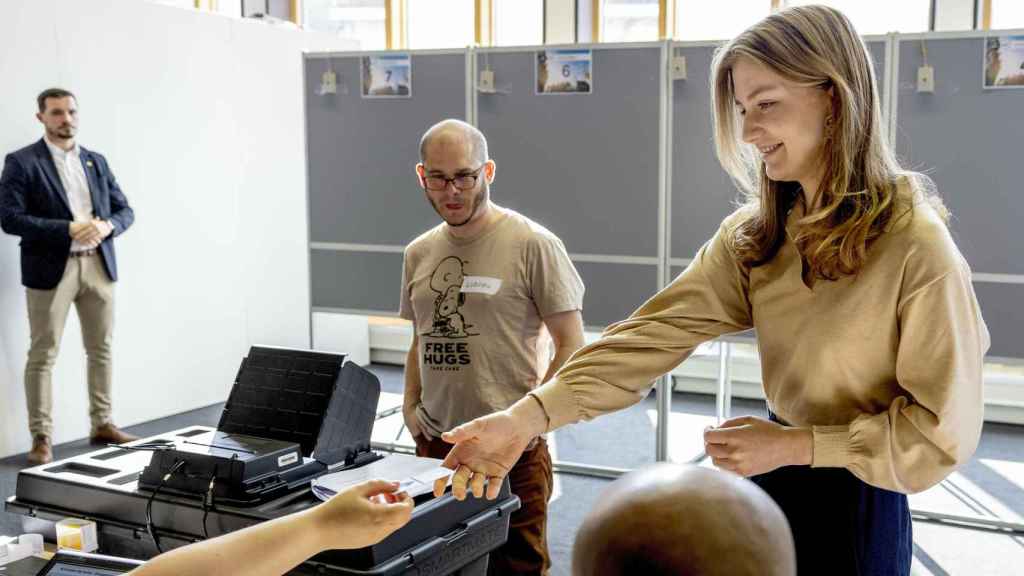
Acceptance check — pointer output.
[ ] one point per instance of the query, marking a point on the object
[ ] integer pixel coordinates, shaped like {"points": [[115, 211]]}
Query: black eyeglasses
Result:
{"points": [[461, 182]]}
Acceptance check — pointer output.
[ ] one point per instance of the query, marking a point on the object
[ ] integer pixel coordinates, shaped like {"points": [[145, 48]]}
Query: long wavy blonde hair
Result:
{"points": [[861, 192]]}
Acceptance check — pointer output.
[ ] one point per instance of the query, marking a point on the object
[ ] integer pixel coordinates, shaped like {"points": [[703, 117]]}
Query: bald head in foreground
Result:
{"points": [[684, 520]]}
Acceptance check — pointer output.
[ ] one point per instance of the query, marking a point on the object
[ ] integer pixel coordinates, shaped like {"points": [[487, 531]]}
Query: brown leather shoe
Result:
{"points": [[42, 452], [110, 434]]}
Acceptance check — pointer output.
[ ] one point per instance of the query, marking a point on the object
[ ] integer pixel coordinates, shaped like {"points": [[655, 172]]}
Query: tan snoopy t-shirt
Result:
{"points": [[477, 306]]}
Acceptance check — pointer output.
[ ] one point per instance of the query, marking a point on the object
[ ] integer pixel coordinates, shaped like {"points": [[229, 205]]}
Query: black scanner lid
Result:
{"points": [[348, 423], [314, 399]]}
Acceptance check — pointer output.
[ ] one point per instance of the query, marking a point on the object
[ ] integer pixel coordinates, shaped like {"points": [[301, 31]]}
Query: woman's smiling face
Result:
{"points": [[784, 120]]}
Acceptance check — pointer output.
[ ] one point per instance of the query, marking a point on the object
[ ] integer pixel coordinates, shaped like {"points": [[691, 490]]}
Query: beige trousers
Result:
{"points": [[86, 284]]}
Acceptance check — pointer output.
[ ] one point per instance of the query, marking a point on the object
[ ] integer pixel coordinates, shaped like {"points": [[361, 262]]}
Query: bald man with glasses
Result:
{"points": [[488, 291]]}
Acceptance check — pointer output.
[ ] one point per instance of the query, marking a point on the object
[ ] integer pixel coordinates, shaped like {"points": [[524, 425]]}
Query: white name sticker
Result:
{"points": [[287, 459], [481, 285]]}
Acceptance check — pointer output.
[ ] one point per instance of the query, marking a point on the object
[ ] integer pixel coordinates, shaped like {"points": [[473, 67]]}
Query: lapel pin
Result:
{"points": [[88, 163]]}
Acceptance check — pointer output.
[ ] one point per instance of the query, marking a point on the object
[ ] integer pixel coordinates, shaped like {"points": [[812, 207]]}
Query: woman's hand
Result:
{"points": [[362, 515], [749, 445], [487, 448]]}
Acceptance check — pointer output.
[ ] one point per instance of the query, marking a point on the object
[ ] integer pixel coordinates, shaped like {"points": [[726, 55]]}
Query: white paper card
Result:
{"points": [[415, 475]]}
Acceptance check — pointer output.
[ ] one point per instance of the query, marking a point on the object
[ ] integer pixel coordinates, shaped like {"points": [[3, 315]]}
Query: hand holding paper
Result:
{"points": [[415, 476]]}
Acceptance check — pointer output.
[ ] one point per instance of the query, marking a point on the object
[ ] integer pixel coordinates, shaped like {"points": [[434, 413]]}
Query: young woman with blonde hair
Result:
{"points": [[870, 335]]}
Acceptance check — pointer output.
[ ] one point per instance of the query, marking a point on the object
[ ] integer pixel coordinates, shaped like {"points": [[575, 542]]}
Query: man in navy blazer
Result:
{"points": [[64, 203]]}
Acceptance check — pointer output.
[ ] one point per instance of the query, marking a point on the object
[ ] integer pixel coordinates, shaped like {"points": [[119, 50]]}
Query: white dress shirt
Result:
{"points": [[76, 185]]}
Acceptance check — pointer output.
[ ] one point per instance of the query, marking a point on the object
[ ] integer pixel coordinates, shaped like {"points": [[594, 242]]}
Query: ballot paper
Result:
{"points": [[415, 475]]}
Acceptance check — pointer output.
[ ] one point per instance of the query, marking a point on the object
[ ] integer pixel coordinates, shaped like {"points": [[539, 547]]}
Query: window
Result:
{"points": [[880, 16], [1007, 14], [718, 19], [440, 23], [518, 22], [359, 20], [629, 20]]}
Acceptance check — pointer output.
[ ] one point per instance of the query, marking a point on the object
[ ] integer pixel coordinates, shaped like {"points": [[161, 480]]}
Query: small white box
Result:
{"points": [[329, 83], [77, 534], [487, 81], [926, 79], [679, 67], [14, 549]]}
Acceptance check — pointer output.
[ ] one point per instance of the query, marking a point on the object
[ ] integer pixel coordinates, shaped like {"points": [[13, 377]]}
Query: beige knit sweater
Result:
{"points": [[884, 366]]}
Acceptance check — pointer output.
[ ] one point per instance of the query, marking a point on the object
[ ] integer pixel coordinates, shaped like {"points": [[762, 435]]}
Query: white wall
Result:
{"points": [[200, 116]]}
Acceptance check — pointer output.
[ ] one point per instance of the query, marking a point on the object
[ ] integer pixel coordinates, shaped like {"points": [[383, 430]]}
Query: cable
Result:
{"points": [[149, 504], [148, 447], [208, 504]]}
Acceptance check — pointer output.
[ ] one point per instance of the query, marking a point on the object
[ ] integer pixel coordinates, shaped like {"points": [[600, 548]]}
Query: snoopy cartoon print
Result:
{"points": [[446, 280]]}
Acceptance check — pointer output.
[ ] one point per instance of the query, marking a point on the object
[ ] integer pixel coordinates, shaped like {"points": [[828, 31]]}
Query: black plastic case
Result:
{"points": [[281, 398], [290, 397], [443, 537]]}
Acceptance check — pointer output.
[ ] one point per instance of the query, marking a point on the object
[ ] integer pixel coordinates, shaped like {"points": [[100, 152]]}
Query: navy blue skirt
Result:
{"points": [[842, 525]]}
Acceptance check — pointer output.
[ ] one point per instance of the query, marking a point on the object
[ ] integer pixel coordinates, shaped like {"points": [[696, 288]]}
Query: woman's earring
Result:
{"points": [[828, 127]]}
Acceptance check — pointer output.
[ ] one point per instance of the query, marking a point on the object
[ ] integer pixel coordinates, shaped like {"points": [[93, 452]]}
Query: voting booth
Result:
{"points": [[194, 483]]}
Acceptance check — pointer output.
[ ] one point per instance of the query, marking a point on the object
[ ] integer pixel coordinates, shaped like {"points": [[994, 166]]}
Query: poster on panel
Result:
{"points": [[564, 71], [387, 76], [1004, 62]]}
